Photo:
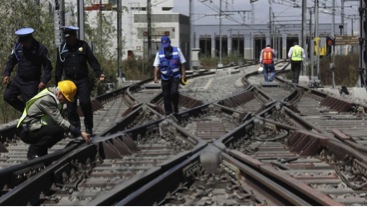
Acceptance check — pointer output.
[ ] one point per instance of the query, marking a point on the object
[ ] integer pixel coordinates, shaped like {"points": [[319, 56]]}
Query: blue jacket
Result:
{"points": [[170, 67]]}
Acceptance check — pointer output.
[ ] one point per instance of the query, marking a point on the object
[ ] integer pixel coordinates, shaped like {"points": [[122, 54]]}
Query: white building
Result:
{"points": [[134, 24], [245, 40]]}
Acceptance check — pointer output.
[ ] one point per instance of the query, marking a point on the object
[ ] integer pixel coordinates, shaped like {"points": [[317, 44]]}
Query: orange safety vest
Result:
{"points": [[267, 56]]}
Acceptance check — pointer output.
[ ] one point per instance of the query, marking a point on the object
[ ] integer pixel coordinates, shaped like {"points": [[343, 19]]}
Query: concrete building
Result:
{"points": [[135, 26], [249, 40], [246, 41]]}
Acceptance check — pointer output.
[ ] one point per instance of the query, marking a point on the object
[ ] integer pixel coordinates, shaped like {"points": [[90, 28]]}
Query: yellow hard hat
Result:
{"points": [[68, 89], [183, 81]]}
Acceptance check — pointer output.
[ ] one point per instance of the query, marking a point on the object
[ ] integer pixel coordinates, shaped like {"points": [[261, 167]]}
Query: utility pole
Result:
{"points": [[363, 43], [311, 43], [149, 29], [352, 26], [342, 22], [304, 25], [120, 67], [238, 48], [262, 40], [252, 14], [191, 39], [272, 37], [332, 65], [100, 25], [316, 12], [81, 19], [220, 33], [62, 12], [59, 20], [342, 12], [270, 19]]}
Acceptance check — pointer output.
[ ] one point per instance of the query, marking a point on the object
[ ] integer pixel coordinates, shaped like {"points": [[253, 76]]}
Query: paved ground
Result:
{"points": [[357, 95]]}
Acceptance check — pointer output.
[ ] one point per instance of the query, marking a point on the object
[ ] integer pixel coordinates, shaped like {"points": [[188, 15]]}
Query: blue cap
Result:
{"points": [[24, 31], [70, 28], [165, 41]]}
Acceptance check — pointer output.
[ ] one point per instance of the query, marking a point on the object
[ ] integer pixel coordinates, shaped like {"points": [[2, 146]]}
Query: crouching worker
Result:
{"points": [[42, 124]]}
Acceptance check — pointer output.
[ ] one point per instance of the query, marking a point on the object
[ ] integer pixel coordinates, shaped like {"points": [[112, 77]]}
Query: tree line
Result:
{"points": [[40, 16]]}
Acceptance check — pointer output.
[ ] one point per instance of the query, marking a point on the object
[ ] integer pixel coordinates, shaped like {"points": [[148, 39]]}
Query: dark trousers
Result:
{"points": [[171, 95], [269, 69], [295, 70], [42, 139], [26, 89], [84, 97]]}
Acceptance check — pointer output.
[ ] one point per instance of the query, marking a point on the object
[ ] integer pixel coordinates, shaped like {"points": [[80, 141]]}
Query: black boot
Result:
{"points": [[35, 152], [31, 156]]}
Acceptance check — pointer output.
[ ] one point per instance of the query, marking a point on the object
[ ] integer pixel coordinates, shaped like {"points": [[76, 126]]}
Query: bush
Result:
{"points": [[346, 72], [211, 62], [138, 68]]}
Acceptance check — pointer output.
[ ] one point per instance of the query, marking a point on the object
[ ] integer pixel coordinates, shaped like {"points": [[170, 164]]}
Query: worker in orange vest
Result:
{"points": [[266, 61]]}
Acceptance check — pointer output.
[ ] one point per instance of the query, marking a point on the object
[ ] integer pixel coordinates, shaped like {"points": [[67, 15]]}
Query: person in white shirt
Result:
{"points": [[296, 55], [170, 62]]}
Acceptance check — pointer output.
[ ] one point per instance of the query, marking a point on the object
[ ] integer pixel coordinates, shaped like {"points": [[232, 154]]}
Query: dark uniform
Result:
{"points": [[27, 80], [72, 61]]}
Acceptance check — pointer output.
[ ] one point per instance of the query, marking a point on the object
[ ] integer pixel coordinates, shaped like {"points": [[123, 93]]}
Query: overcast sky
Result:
{"points": [[204, 11]]}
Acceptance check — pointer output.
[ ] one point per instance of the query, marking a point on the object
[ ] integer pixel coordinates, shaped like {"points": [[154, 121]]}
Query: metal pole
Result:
{"points": [[333, 77], [261, 41], [120, 67], [333, 31], [250, 44], [100, 26], [272, 32], [149, 27], [81, 19], [352, 25], [220, 30], [342, 12], [57, 23], [342, 22], [317, 34], [279, 38], [363, 43], [270, 19], [311, 44], [238, 47], [252, 14], [191, 39], [332, 46], [304, 33], [62, 12]]}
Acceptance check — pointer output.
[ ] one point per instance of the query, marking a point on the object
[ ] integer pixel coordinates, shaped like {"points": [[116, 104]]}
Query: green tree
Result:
{"points": [[17, 14], [102, 44], [101, 33]]}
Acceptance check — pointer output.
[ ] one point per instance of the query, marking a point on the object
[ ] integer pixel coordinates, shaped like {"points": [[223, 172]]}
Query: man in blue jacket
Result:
{"points": [[170, 62]]}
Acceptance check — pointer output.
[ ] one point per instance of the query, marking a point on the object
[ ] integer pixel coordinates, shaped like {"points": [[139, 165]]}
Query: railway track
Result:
{"points": [[305, 161], [235, 141], [116, 160]]}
